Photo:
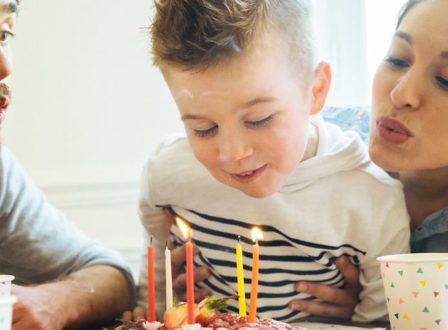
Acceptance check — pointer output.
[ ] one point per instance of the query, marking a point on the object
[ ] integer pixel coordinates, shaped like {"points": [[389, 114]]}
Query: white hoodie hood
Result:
{"points": [[337, 151]]}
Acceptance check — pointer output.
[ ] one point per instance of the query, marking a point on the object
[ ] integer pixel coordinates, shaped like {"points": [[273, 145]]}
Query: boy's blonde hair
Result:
{"points": [[196, 34]]}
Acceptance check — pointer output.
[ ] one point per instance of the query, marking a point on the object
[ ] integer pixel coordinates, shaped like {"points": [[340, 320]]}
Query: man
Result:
{"points": [[66, 280]]}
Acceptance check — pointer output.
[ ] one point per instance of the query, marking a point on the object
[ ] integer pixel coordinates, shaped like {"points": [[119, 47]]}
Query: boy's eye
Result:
{"points": [[442, 82], [5, 36], [206, 132], [397, 62], [261, 122]]}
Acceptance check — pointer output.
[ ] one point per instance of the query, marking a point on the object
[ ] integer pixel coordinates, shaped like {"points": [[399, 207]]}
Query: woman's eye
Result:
{"points": [[442, 82], [261, 122], [5, 36], [206, 132], [397, 62]]}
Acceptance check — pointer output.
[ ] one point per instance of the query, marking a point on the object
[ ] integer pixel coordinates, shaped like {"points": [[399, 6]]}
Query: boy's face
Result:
{"points": [[247, 119]]}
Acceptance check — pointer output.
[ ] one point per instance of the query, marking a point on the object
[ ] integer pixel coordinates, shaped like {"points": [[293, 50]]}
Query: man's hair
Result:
{"points": [[405, 9], [196, 34]]}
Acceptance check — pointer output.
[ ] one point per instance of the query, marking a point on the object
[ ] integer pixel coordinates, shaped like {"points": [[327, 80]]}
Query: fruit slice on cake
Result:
{"points": [[205, 312]]}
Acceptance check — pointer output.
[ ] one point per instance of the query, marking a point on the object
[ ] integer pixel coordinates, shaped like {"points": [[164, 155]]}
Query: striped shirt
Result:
{"points": [[284, 260]]}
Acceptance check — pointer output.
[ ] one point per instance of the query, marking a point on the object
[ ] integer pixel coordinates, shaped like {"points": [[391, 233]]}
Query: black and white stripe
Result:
{"points": [[284, 260]]}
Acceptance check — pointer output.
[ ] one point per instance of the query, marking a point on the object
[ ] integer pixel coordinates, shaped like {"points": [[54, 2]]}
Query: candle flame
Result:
{"points": [[183, 227], [257, 234]]}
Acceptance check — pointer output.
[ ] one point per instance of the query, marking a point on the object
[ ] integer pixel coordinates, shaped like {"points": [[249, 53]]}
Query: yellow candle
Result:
{"points": [[256, 235], [240, 279]]}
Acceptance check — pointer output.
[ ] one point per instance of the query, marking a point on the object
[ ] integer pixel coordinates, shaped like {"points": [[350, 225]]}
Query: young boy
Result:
{"points": [[244, 78]]}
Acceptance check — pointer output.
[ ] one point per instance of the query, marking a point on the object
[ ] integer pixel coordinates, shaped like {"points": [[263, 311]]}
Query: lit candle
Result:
{"points": [[151, 286], [168, 279], [256, 235], [186, 232], [240, 280]]}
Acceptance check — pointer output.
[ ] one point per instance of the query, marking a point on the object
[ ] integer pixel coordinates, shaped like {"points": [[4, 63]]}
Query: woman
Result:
{"points": [[409, 138]]}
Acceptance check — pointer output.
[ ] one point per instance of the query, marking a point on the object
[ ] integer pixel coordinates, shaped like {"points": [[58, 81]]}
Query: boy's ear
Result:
{"points": [[321, 86]]}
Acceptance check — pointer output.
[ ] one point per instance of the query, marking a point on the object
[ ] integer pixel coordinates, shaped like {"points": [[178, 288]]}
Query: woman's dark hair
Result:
{"points": [[405, 9]]}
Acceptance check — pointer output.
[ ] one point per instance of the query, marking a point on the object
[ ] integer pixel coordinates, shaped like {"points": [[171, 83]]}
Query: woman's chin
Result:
{"points": [[385, 159]]}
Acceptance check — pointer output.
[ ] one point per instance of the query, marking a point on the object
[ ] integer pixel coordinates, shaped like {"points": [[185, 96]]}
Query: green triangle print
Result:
{"points": [[401, 272], [397, 315], [420, 271], [392, 285], [425, 310]]}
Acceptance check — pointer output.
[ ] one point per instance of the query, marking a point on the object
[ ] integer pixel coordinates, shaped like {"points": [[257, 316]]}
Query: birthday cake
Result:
{"points": [[207, 317]]}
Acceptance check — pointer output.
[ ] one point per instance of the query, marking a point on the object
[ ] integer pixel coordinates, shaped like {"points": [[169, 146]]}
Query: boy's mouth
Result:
{"points": [[249, 176]]}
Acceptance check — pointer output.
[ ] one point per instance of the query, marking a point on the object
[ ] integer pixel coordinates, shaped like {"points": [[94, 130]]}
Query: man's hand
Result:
{"points": [[91, 295], [335, 302], [37, 308], [180, 278]]}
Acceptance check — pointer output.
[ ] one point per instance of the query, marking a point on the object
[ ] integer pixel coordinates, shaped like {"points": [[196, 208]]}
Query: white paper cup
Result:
{"points": [[416, 288], [5, 285], [6, 304]]}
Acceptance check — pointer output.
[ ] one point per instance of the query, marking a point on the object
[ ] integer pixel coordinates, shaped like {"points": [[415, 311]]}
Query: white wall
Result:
{"points": [[381, 17], [341, 38], [89, 108]]}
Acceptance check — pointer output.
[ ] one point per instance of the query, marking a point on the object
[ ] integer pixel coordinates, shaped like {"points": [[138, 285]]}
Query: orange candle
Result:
{"points": [[151, 286], [256, 235], [186, 232]]}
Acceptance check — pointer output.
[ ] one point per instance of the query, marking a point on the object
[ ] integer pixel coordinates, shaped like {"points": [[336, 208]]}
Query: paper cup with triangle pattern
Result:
{"points": [[416, 288]]}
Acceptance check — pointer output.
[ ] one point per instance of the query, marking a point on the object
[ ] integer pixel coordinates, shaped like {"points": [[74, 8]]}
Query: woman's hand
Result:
{"points": [[180, 278], [335, 302]]}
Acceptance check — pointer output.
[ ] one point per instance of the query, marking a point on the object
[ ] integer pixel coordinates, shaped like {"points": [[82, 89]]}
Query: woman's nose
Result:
{"points": [[408, 92]]}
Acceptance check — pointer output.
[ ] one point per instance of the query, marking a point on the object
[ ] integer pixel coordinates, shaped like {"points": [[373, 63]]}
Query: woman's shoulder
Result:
{"points": [[432, 234]]}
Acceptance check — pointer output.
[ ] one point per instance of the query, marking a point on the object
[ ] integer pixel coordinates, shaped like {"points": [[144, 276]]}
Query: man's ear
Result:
{"points": [[321, 86]]}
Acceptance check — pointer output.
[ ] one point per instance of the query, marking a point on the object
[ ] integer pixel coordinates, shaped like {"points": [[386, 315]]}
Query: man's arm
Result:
{"points": [[68, 278], [91, 295]]}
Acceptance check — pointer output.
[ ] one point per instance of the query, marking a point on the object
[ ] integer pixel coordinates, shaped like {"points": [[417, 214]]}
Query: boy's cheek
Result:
{"points": [[204, 155]]}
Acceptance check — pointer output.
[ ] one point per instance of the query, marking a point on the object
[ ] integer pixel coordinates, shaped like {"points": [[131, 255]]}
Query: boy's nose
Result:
{"points": [[233, 147]]}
